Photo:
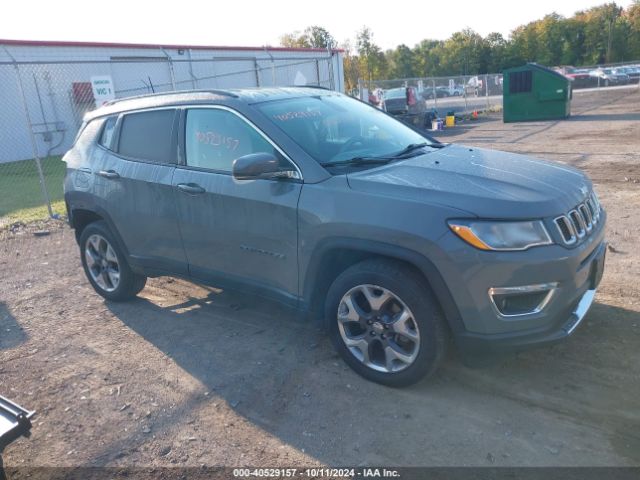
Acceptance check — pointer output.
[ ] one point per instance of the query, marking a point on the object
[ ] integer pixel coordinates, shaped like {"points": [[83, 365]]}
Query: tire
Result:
{"points": [[105, 265], [409, 322]]}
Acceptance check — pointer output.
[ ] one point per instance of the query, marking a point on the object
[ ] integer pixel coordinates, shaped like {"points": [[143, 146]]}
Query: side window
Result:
{"points": [[214, 138], [88, 133], [148, 136], [106, 137]]}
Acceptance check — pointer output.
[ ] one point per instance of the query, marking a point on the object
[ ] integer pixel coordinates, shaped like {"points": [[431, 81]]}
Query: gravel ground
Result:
{"points": [[189, 376]]}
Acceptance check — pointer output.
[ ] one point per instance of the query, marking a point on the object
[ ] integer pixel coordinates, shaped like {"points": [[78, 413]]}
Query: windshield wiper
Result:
{"points": [[359, 161], [410, 148], [373, 160]]}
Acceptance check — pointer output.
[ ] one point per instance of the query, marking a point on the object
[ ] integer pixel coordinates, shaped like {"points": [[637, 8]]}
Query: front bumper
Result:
{"points": [[577, 272], [481, 344]]}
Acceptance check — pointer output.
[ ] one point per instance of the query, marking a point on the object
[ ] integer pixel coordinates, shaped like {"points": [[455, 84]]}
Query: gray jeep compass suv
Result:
{"points": [[396, 242]]}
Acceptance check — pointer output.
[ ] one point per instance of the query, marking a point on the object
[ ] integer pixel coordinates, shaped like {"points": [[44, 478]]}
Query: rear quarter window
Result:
{"points": [[106, 136], [148, 136], [88, 133]]}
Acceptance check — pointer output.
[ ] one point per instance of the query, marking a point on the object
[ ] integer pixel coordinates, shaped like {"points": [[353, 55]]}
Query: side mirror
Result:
{"points": [[260, 166]]}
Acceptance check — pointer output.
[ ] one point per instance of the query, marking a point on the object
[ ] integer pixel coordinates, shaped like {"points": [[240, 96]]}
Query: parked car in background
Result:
{"points": [[402, 101], [609, 76], [394, 241], [580, 78], [632, 72], [429, 93], [457, 91]]}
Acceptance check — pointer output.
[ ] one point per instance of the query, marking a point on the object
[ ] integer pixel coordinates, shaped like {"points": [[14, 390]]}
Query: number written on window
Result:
{"points": [[215, 138]]}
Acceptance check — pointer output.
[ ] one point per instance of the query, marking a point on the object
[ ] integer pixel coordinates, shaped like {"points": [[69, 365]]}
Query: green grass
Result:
{"points": [[20, 193]]}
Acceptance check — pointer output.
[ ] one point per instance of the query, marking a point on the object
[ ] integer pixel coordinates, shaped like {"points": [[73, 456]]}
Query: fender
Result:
{"points": [[85, 201], [322, 253]]}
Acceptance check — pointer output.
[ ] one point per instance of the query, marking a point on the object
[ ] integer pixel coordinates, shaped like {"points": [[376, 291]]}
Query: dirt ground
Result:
{"points": [[190, 376]]}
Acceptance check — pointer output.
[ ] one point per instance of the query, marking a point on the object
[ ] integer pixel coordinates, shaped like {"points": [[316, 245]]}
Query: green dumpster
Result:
{"points": [[534, 92]]}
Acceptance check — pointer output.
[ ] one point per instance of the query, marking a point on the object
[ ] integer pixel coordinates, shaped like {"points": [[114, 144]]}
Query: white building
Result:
{"points": [[56, 80]]}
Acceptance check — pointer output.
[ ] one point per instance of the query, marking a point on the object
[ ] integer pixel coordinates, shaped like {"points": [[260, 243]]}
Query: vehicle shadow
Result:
{"points": [[282, 375], [11, 334]]}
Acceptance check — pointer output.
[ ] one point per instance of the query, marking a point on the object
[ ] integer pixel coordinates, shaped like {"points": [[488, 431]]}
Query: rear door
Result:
{"points": [[134, 182], [235, 233]]}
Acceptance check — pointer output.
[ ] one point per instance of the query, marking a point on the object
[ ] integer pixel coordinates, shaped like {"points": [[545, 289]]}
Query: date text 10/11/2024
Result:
{"points": [[336, 473]]}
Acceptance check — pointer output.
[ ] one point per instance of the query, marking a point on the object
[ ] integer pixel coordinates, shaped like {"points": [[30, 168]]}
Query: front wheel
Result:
{"points": [[385, 323], [106, 266]]}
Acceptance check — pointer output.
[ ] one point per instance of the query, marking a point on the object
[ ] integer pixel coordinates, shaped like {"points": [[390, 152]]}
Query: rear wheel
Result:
{"points": [[385, 323], [105, 264]]}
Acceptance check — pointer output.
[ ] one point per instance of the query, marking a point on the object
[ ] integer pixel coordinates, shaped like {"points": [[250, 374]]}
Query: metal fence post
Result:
{"points": [[435, 95], [332, 80], [257, 70], [172, 74], [486, 91], [318, 71], [464, 91], [34, 143], [273, 67]]}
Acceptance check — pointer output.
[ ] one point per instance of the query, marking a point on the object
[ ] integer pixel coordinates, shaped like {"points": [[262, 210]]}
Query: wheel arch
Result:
{"points": [[82, 213], [334, 256]]}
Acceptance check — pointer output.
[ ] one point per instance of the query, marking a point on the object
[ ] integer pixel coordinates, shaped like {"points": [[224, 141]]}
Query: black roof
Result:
{"points": [[167, 99]]}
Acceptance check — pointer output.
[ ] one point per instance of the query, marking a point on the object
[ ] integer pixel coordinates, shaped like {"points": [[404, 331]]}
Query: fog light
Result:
{"points": [[525, 300]]}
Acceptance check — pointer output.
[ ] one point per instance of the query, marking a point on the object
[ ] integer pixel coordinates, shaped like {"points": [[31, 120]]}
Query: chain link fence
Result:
{"points": [[465, 94], [459, 94], [44, 101]]}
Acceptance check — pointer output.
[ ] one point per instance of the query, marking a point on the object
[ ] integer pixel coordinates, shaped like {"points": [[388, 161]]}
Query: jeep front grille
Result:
{"points": [[579, 222]]}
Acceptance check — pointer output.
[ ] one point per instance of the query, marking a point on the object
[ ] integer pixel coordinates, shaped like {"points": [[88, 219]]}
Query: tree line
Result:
{"points": [[603, 34]]}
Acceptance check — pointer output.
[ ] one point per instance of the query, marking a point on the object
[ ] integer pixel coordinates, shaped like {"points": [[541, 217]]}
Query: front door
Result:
{"points": [[235, 233]]}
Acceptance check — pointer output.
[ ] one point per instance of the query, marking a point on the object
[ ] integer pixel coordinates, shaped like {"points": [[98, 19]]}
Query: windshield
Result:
{"points": [[395, 93], [332, 128]]}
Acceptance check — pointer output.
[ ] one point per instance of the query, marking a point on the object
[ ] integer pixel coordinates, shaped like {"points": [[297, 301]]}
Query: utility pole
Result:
{"points": [[608, 57], [614, 13]]}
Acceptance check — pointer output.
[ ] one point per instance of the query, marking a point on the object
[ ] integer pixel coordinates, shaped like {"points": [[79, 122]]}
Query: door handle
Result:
{"points": [[111, 174], [191, 188]]}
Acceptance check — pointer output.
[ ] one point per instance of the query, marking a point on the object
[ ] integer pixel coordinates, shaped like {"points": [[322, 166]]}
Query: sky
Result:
{"points": [[258, 23]]}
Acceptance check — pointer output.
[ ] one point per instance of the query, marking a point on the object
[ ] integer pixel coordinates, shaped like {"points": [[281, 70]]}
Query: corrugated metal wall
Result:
{"points": [[47, 74]]}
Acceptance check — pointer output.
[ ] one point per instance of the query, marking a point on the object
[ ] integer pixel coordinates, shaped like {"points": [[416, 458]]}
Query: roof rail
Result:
{"points": [[173, 92], [312, 86]]}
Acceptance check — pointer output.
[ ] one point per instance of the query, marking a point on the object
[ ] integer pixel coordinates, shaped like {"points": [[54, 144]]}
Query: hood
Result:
{"points": [[485, 183]]}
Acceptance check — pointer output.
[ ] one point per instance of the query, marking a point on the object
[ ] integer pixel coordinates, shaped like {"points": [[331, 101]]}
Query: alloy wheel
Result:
{"points": [[102, 263], [378, 328]]}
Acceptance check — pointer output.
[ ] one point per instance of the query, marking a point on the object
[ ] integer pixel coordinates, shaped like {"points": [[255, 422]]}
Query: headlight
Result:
{"points": [[492, 235]]}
